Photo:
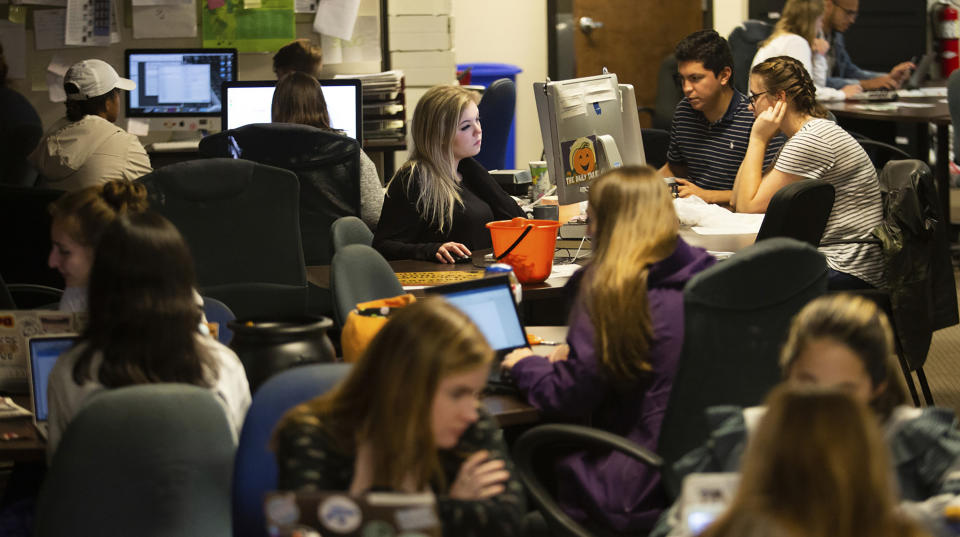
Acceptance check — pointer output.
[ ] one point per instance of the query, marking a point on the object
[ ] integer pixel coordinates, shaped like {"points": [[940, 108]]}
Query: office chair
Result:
{"points": [[25, 252], [326, 164], [147, 460], [744, 41], [349, 230], [255, 470], [655, 144], [32, 296], [497, 108], [20, 132], [217, 312], [799, 211], [953, 102], [360, 274], [880, 153], [242, 223], [6, 301], [669, 94]]}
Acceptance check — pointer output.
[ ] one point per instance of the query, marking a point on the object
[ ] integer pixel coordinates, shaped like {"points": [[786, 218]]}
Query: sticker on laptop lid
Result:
{"points": [[340, 514]]}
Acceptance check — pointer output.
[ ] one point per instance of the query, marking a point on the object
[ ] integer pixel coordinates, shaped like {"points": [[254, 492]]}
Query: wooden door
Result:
{"points": [[635, 37]]}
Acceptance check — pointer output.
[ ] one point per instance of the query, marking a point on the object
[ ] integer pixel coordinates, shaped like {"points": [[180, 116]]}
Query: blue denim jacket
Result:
{"points": [[844, 71]]}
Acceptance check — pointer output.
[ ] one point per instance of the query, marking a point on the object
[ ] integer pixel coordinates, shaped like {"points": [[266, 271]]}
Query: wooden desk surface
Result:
{"points": [[938, 114]]}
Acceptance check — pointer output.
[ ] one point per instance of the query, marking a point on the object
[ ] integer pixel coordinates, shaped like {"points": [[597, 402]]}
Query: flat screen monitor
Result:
{"points": [[178, 82], [588, 126], [250, 101]]}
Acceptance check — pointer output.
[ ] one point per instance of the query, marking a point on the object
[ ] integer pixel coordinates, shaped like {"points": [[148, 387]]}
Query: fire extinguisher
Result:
{"points": [[947, 33]]}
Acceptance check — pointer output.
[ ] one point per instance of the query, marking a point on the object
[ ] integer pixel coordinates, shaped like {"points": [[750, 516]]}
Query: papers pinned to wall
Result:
{"points": [[364, 47], [48, 28], [55, 70], [177, 19], [264, 29], [90, 22], [305, 6], [336, 18], [14, 39]]}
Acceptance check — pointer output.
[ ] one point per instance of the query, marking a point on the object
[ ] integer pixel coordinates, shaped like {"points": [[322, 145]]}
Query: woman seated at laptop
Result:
{"points": [[816, 466], [439, 201], [299, 99], [407, 418], [142, 326], [783, 101], [623, 346], [78, 221]]}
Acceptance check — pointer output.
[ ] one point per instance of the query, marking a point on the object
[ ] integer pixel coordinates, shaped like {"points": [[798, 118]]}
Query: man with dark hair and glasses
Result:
{"points": [[711, 124], [838, 15]]}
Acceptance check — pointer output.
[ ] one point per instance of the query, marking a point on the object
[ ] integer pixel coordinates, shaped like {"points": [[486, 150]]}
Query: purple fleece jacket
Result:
{"points": [[612, 489]]}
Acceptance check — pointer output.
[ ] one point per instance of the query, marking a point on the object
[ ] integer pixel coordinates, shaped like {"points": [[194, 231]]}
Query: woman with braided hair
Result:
{"points": [[783, 100]]}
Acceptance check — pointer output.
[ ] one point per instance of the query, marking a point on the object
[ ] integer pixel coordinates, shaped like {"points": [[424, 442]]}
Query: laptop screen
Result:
{"points": [[43, 354], [492, 309]]}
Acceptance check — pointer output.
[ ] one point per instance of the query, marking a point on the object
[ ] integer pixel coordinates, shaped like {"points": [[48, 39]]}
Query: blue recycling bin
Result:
{"points": [[484, 74]]}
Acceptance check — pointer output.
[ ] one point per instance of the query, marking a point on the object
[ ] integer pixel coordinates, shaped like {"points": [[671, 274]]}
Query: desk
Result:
{"points": [[938, 114], [29, 447], [718, 243]]}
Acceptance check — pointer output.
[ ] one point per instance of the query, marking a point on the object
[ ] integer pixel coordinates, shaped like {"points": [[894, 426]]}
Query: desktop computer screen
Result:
{"points": [[178, 82], [250, 102]]}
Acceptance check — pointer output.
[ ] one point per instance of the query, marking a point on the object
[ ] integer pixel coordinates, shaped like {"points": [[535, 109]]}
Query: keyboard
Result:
{"points": [[874, 96], [179, 145]]}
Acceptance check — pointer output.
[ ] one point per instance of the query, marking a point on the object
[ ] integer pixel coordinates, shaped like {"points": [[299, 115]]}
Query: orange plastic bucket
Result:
{"points": [[532, 256]]}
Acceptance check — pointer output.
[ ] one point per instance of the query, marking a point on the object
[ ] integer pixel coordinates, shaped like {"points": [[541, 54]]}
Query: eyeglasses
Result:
{"points": [[852, 13], [754, 96]]}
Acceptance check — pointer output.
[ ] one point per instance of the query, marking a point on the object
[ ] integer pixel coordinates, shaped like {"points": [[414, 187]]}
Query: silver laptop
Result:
{"points": [[44, 351]]}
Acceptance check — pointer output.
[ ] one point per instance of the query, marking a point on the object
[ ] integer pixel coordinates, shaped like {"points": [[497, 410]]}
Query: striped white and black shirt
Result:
{"points": [[823, 150], [712, 152]]}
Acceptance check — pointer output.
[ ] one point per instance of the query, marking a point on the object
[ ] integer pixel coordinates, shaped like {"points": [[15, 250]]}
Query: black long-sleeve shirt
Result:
{"points": [[403, 233]]}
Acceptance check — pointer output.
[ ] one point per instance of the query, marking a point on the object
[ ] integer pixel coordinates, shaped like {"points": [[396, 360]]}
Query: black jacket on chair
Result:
{"points": [[327, 165]]}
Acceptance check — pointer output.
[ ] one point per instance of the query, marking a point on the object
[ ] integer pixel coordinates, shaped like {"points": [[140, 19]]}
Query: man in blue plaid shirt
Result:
{"points": [[838, 15]]}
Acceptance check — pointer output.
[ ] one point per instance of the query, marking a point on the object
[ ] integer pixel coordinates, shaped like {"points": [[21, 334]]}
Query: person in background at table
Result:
{"points": [[301, 55], [143, 327], [617, 368], [817, 148], [844, 342], [838, 15], [795, 35], [439, 201], [20, 131], [373, 433], [711, 124], [85, 148], [78, 220], [299, 99], [816, 467]]}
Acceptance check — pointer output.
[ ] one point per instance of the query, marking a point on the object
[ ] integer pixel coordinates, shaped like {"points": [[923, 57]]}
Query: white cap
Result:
{"points": [[93, 78]]}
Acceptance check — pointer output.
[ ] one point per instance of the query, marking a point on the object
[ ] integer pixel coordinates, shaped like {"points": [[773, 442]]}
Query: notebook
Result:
{"points": [[309, 514], [44, 351], [489, 303]]}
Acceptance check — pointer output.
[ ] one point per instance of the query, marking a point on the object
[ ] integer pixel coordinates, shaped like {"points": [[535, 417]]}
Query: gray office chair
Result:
{"points": [[359, 274], [151, 460], [349, 230]]}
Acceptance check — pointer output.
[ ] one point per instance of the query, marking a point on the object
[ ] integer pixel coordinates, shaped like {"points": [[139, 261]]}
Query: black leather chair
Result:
{"points": [[880, 153], [349, 230], [669, 94], [799, 211], [6, 301], [326, 164], [25, 251], [497, 108], [655, 144], [241, 221], [744, 41], [20, 131], [359, 274]]}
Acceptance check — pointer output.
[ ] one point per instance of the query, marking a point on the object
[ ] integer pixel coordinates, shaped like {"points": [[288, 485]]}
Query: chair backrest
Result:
{"points": [[360, 274], [744, 41], [668, 93], [241, 220], [799, 211], [880, 153], [736, 316], [25, 251], [6, 301], [217, 312], [496, 111], [20, 132], [349, 230], [327, 165], [953, 101], [255, 471], [150, 460], [655, 144]]}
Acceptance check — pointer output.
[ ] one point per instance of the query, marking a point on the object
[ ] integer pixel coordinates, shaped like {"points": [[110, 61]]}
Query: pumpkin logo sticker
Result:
{"points": [[579, 159]]}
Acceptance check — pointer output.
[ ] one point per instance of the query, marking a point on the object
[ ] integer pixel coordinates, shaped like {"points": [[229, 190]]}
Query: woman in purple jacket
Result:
{"points": [[623, 345]]}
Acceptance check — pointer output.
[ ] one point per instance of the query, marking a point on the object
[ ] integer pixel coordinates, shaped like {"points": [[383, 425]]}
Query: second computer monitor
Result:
{"points": [[250, 102], [178, 82]]}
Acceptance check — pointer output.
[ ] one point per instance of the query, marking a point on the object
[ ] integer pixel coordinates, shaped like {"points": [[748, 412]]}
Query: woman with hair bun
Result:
{"points": [[783, 99], [78, 220]]}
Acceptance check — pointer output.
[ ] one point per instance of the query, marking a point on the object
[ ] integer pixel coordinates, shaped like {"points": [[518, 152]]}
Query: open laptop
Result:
{"points": [[921, 72], [44, 351], [308, 514], [489, 303]]}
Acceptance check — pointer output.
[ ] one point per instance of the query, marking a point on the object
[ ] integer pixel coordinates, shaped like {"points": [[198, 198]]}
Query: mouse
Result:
{"points": [[462, 259]]}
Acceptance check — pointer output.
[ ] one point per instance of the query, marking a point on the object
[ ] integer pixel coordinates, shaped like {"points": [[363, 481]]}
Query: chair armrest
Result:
{"points": [[554, 435]]}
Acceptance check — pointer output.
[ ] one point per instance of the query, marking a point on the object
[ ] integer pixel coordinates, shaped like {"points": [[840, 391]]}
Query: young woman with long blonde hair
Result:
{"points": [[623, 345], [439, 201], [407, 418]]}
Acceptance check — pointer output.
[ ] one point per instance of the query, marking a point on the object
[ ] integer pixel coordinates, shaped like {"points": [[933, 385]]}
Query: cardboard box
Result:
{"points": [[431, 76], [415, 24], [15, 327], [418, 7], [412, 42], [421, 60]]}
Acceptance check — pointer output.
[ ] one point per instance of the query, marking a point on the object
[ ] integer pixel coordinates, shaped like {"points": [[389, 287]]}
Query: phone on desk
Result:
{"points": [[705, 497]]}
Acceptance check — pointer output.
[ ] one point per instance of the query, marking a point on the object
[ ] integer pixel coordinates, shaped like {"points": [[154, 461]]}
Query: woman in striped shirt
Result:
{"points": [[782, 95]]}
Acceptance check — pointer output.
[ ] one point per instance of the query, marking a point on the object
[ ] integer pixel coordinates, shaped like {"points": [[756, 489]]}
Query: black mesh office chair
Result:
{"points": [[880, 153], [360, 274], [799, 211], [25, 253], [655, 144], [497, 108]]}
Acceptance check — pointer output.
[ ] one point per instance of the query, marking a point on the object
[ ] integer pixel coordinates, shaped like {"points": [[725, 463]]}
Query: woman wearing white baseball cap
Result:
{"points": [[85, 148]]}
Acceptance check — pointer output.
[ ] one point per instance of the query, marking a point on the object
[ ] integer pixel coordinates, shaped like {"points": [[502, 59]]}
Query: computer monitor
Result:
{"points": [[588, 126], [178, 83], [250, 102]]}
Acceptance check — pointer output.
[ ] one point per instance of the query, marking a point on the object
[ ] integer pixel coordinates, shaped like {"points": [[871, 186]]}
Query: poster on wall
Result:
{"points": [[264, 29], [161, 21]]}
